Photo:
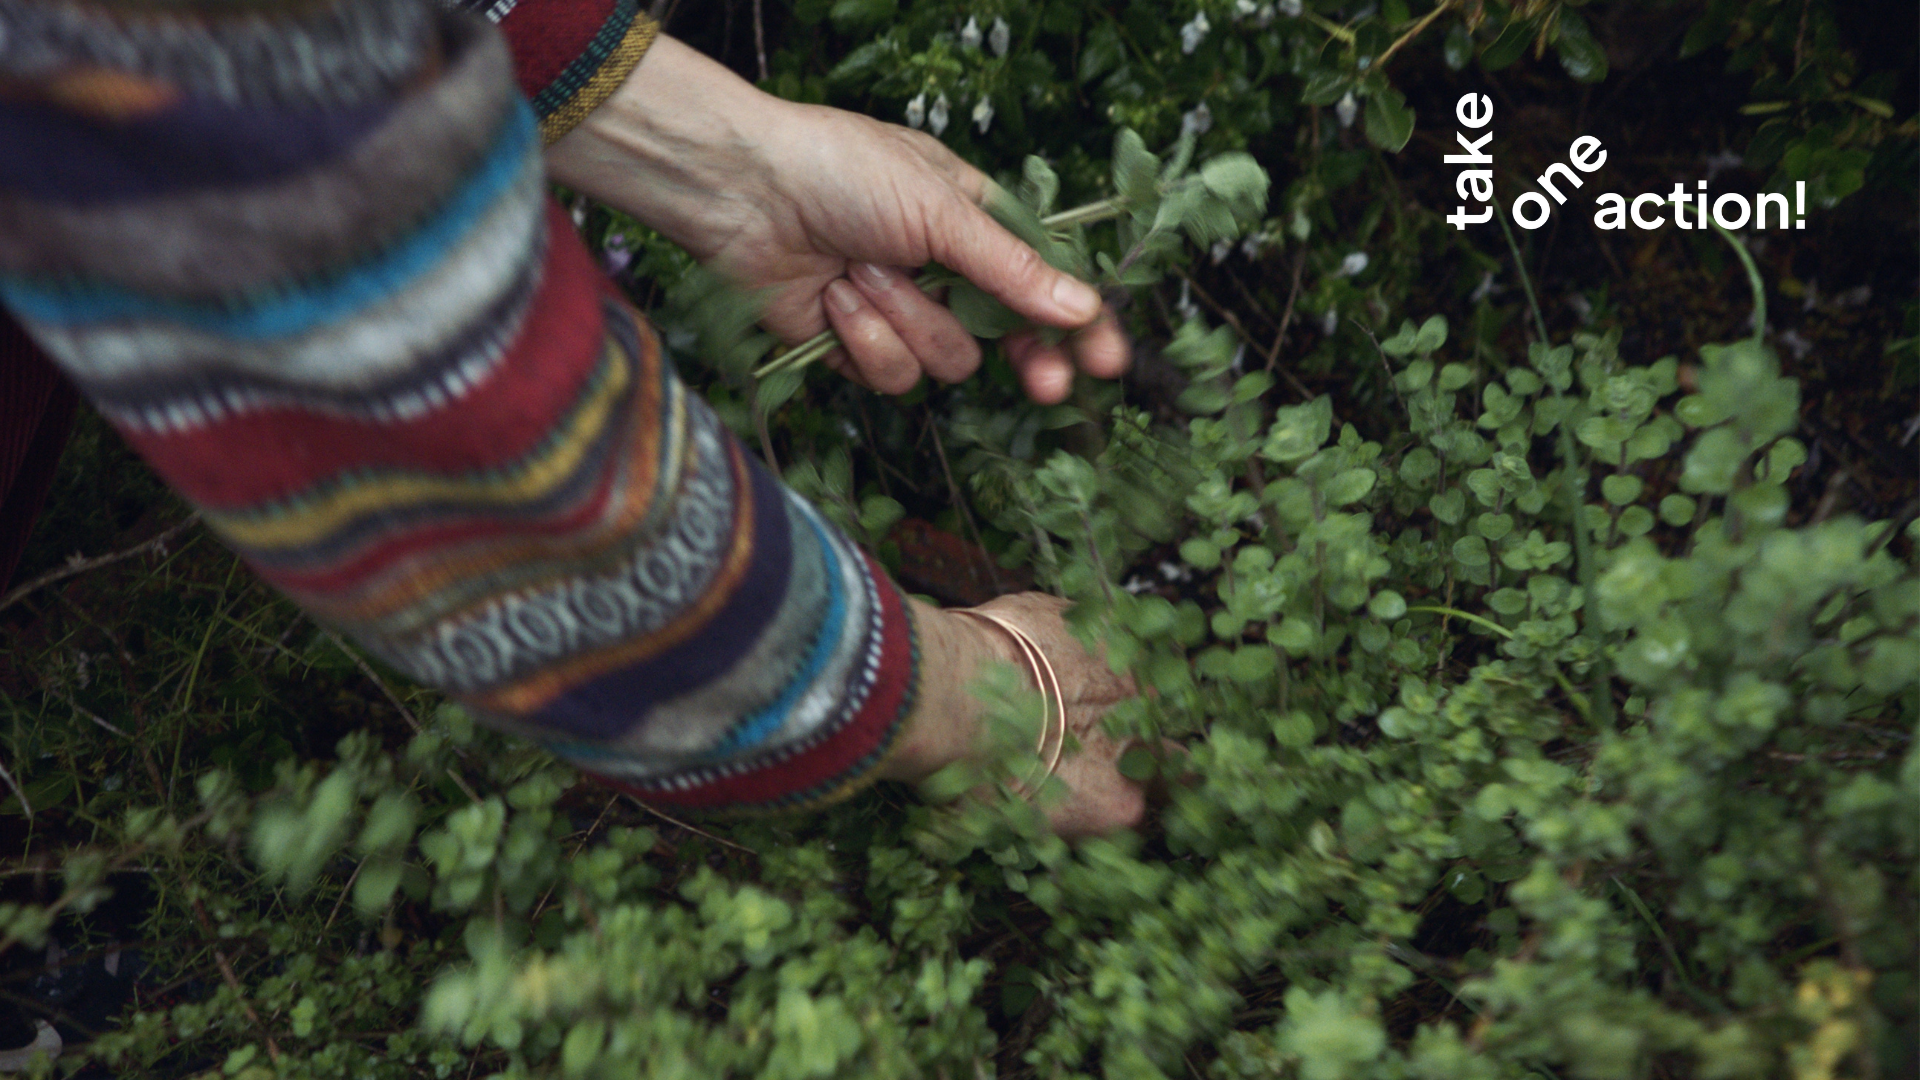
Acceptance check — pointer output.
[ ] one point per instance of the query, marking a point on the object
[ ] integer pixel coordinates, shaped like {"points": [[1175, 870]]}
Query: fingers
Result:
{"points": [[892, 332], [1046, 371], [1101, 349], [939, 343], [884, 362], [967, 240]]}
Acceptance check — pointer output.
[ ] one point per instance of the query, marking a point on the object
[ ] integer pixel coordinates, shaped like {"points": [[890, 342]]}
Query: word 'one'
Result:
{"points": [[1531, 210]]}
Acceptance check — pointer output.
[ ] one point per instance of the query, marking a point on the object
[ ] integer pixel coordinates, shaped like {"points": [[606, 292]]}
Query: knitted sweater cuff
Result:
{"points": [[569, 57]]}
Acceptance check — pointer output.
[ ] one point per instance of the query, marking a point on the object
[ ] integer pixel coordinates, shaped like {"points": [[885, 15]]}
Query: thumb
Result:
{"points": [[973, 245]]}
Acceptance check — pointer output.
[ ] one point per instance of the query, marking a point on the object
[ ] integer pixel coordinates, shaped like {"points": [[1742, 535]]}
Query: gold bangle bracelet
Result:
{"points": [[1053, 709]]}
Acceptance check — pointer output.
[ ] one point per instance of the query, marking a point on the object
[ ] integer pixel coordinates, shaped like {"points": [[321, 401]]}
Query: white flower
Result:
{"points": [[1253, 245], [937, 116], [1197, 120], [983, 113], [1221, 249], [1484, 289], [970, 34], [1355, 262], [917, 110], [616, 255], [1186, 307], [1265, 18], [1192, 34], [997, 37], [1244, 8], [1290, 8], [1329, 322], [1347, 109]]}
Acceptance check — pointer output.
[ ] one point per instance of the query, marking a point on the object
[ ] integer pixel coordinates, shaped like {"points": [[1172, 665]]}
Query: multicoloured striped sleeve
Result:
{"points": [[302, 257]]}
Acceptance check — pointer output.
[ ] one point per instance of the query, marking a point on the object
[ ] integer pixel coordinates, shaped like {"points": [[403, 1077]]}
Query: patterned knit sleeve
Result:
{"points": [[302, 257], [568, 55]]}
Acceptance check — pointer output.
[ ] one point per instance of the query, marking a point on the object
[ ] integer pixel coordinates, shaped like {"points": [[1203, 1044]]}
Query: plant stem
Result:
{"points": [[1753, 272], [1520, 268], [1412, 32], [1104, 210], [1469, 616], [1332, 28], [1575, 484]]}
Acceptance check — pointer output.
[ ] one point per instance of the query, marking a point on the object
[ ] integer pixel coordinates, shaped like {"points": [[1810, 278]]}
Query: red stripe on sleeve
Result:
{"points": [[545, 36], [272, 454]]}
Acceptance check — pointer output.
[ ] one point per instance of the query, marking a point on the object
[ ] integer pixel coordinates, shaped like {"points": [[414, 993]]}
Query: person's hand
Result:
{"points": [[829, 212], [856, 203], [945, 726]]}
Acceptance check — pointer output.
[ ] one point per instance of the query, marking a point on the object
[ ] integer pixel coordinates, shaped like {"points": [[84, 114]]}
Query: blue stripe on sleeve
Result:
{"points": [[754, 730], [296, 312]]}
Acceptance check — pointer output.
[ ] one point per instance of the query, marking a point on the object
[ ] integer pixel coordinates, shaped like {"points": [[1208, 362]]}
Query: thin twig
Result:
{"points": [[1246, 336], [1286, 322], [766, 439], [866, 425], [84, 711], [342, 898], [233, 982], [1386, 367], [671, 820], [394, 700], [966, 512], [17, 790], [577, 848], [760, 40], [1253, 302], [374, 678], [80, 566], [1414, 32]]}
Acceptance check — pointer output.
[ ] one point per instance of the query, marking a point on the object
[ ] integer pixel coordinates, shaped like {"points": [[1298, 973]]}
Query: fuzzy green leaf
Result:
{"points": [[1389, 120]]}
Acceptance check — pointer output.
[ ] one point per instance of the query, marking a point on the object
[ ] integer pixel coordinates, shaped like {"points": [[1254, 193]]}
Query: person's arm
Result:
{"points": [[826, 211], [832, 213], [332, 306]]}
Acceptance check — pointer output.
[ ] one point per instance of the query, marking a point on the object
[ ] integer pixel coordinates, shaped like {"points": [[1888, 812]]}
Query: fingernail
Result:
{"points": [[843, 296], [1076, 298], [877, 276]]}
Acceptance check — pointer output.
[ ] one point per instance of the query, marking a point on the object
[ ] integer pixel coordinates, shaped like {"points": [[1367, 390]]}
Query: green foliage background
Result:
{"points": [[1534, 729]]}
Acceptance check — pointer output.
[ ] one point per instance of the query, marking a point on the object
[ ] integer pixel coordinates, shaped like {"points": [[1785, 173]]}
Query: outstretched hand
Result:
{"points": [[828, 212], [946, 725]]}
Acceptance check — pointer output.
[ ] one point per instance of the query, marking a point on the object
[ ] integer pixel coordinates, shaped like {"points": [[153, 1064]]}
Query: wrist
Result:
{"points": [[945, 722], [680, 145]]}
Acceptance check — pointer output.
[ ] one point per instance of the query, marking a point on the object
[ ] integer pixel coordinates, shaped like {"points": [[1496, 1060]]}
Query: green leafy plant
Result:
{"points": [[1539, 721]]}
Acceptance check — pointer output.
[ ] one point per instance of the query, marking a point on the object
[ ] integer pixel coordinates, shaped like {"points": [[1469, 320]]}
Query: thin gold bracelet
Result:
{"points": [[1044, 679]]}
